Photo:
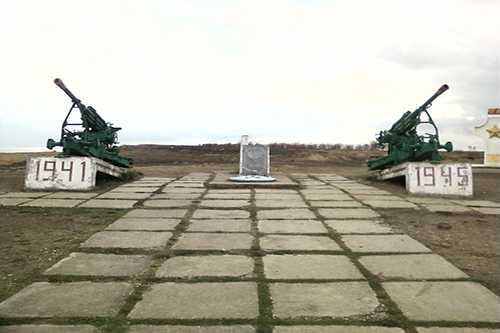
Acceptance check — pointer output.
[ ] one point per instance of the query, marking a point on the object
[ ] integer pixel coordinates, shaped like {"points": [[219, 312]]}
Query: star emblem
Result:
{"points": [[494, 132]]}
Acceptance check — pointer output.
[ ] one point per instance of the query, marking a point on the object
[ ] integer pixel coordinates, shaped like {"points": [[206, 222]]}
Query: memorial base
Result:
{"points": [[66, 173], [253, 179], [440, 179]]}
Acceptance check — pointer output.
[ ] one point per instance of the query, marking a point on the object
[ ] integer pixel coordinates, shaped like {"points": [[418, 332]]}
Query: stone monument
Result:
{"points": [[490, 133], [254, 163]]}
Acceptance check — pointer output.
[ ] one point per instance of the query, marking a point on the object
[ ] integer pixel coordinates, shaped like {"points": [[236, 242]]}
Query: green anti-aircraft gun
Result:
{"points": [[97, 139], [405, 144]]}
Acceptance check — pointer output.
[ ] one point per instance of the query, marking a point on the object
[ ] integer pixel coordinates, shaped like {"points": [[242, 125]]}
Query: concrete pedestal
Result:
{"points": [[66, 173], [446, 179]]}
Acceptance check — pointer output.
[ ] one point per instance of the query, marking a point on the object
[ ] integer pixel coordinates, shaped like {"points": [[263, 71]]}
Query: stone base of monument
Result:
{"points": [[253, 179], [441, 179], [66, 173], [225, 180]]}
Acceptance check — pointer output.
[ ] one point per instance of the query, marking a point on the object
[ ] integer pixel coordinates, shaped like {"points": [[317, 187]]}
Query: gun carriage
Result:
{"points": [[405, 144], [93, 138]]}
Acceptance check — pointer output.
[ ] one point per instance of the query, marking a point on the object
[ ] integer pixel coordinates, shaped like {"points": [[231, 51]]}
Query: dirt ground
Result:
{"points": [[32, 239]]}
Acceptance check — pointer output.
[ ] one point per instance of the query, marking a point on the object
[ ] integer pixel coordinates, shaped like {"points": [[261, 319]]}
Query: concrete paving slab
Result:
{"points": [[158, 213], [234, 190], [53, 203], [71, 195], [214, 241], [356, 191], [277, 196], [487, 211], [306, 266], [376, 197], [225, 203], [293, 214], [445, 301], [207, 266], [383, 243], [324, 190], [191, 329], [391, 204], [238, 225], [13, 201], [198, 300], [167, 203], [123, 189], [275, 191], [175, 196], [96, 264], [335, 329], [31, 195], [46, 328], [184, 190], [292, 227], [144, 224], [476, 203], [123, 195], [220, 214], [227, 196], [298, 243], [430, 200], [180, 184], [331, 299], [271, 203], [105, 203], [348, 213], [127, 240], [360, 227], [333, 197], [336, 204], [455, 330], [75, 299], [411, 267], [447, 208]]}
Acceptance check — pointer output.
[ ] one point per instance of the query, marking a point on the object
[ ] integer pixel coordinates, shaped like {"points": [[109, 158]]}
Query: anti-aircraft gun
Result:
{"points": [[405, 144], [97, 139]]}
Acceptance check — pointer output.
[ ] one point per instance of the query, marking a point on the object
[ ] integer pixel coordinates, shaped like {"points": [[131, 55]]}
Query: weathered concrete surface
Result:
{"points": [[411, 267], [332, 299], [144, 224], [191, 329], [348, 213], [237, 225], [298, 242], [198, 300], [127, 240], [75, 299], [212, 241], [97, 264], [316, 267], [336, 329], [46, 328], [220, 214], [200, 266], [298, 214], [445, 301], [383, 243], [359, 227], [292, 227]]}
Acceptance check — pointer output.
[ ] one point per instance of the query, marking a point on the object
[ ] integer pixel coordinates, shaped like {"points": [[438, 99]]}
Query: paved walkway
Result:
{"points": [[190, 259]]}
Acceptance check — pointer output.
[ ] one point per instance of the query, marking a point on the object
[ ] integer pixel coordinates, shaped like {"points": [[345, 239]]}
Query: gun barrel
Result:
{"points": [[61, 85], [441, 90]]}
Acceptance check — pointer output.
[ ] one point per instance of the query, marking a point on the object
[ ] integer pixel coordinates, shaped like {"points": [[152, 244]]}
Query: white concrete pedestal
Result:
{"points": [[66, 173], [445, 179]]}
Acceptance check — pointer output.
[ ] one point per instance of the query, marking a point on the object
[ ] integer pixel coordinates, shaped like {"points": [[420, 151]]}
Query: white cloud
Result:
{"points": [[183, 71]]}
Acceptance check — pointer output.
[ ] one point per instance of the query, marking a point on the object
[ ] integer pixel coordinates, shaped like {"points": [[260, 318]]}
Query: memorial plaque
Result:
{"points": [[254, 160], [65, 173]]}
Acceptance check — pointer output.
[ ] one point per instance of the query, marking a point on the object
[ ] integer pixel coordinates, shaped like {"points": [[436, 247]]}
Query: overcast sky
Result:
{"points": [[208, 71]]}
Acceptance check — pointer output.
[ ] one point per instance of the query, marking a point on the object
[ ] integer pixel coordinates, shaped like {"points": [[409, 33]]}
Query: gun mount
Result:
{"points": [[93, 138], [405, 144]]}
